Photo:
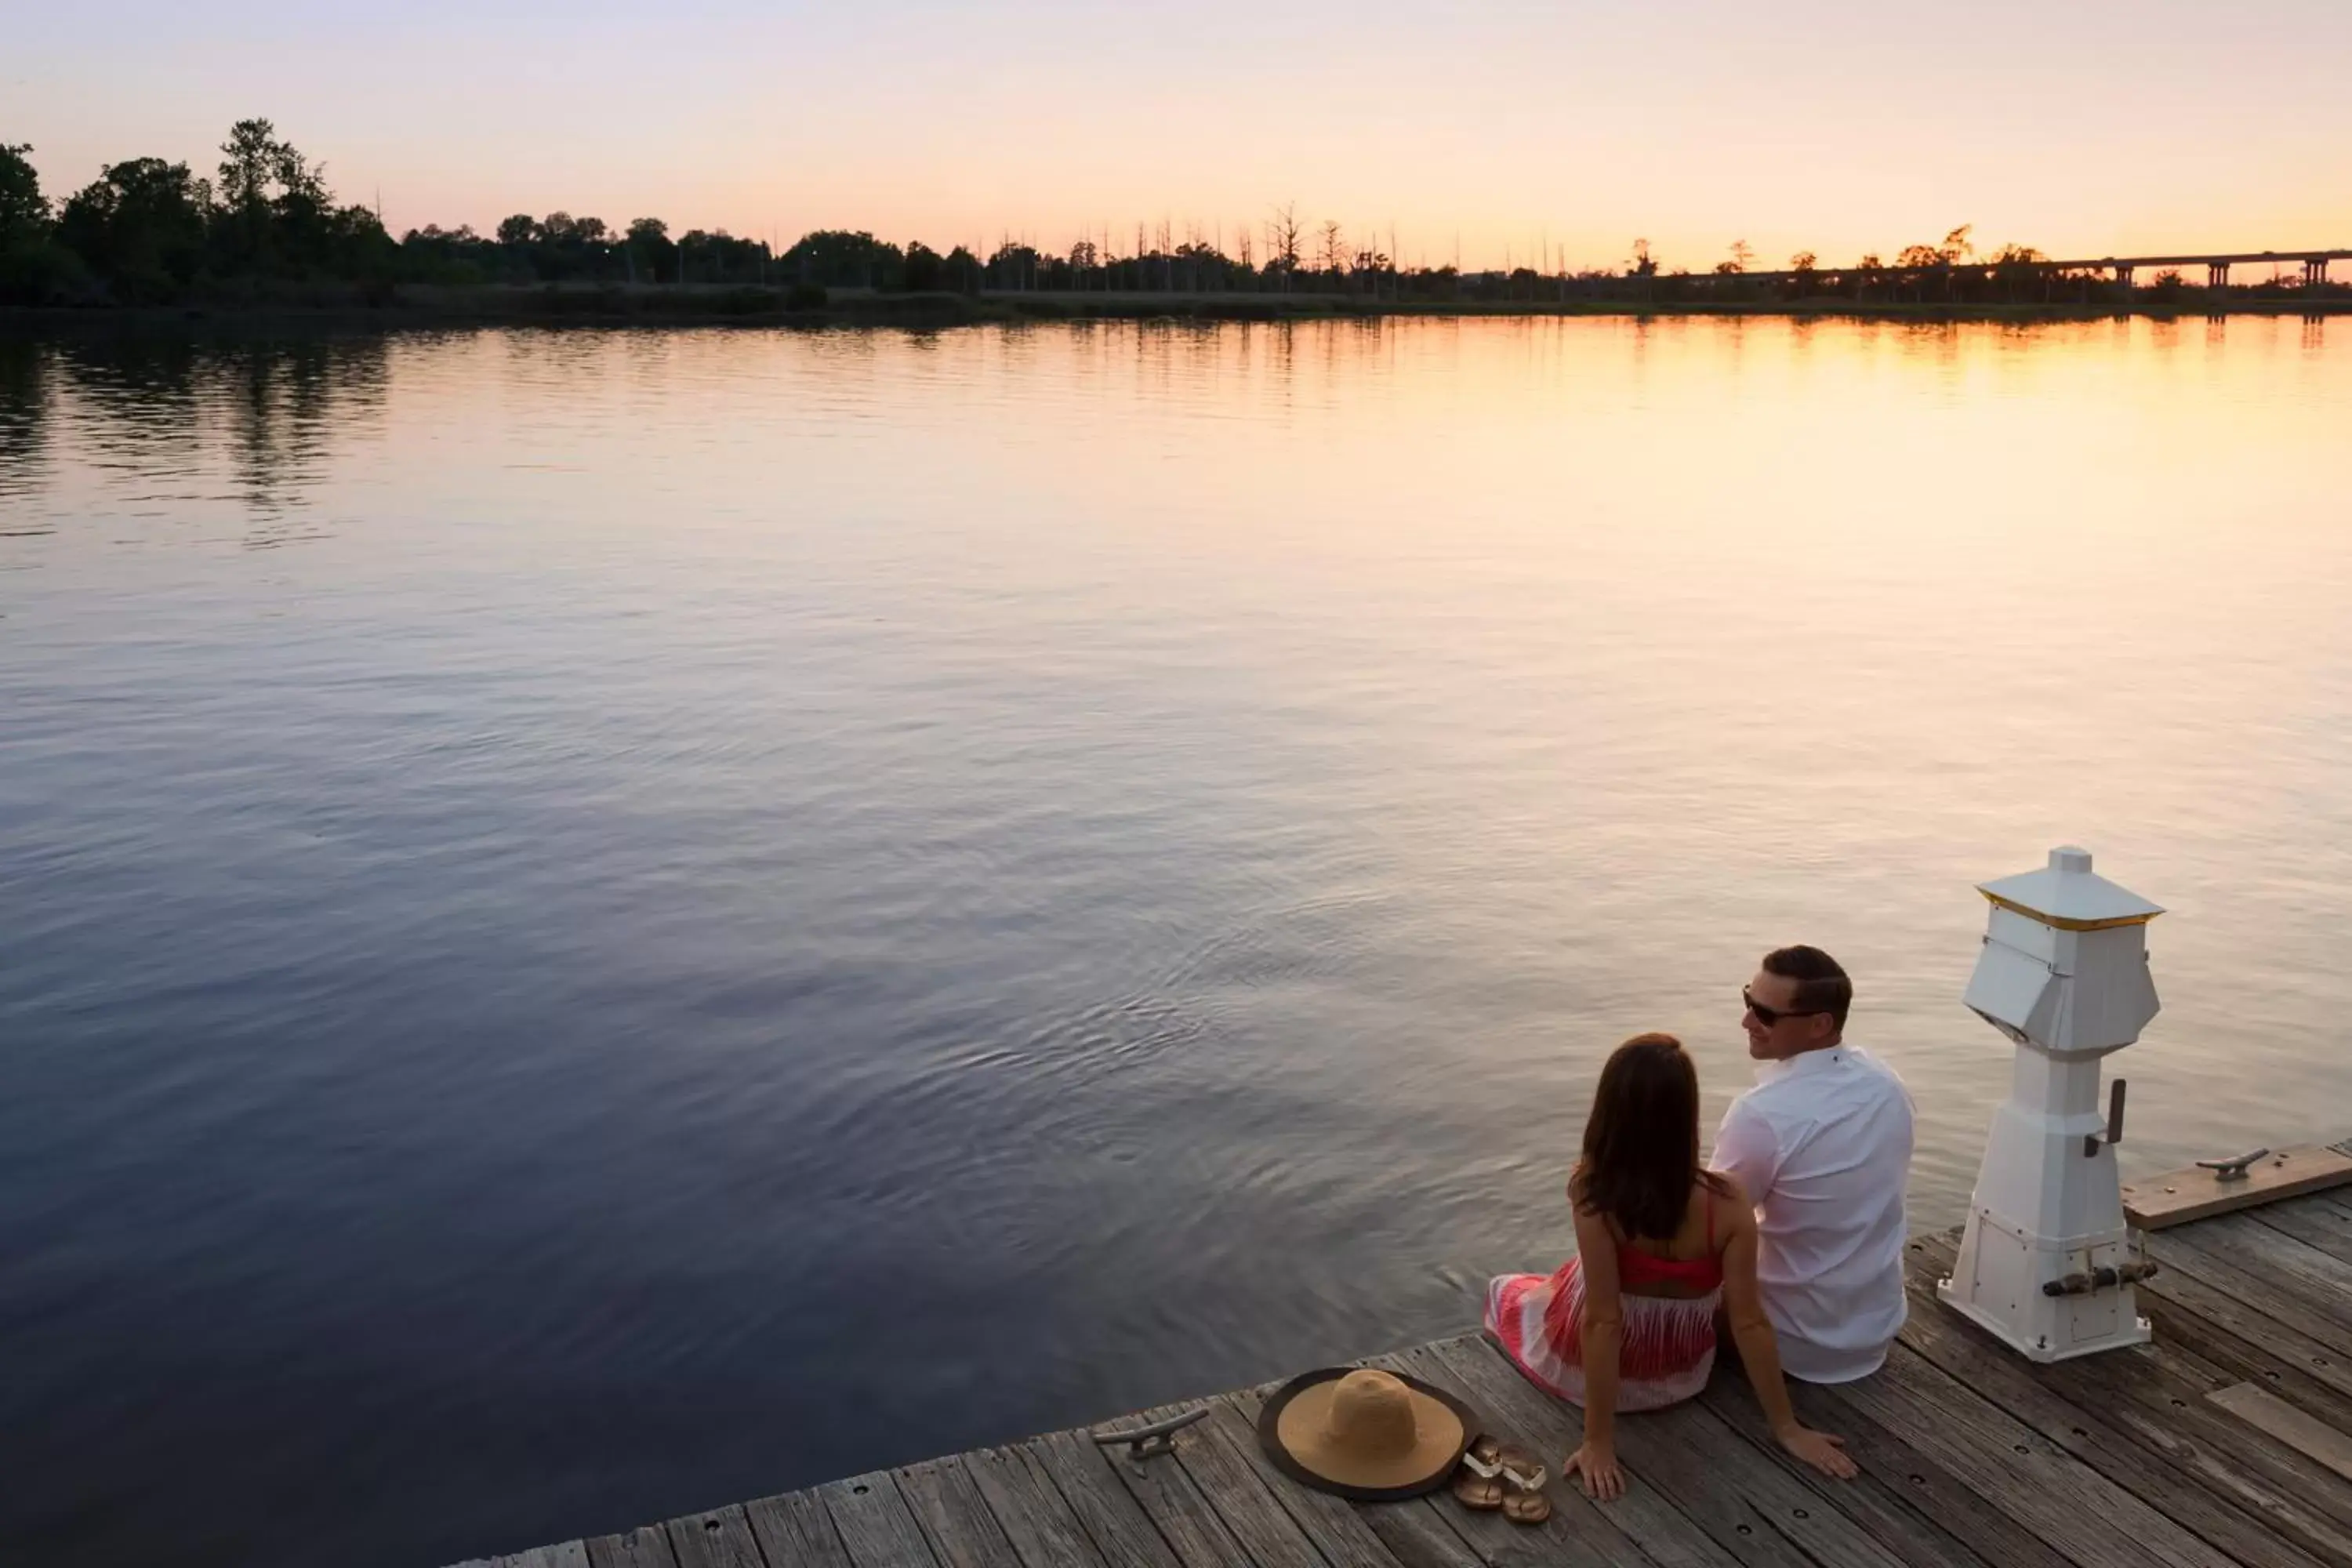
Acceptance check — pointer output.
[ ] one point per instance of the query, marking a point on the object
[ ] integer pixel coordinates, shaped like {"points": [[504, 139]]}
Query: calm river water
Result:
{"points": [[594, 924]]}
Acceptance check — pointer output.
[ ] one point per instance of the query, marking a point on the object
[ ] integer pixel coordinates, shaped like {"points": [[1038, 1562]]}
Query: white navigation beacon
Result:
{"points": [[2044, 1263]]}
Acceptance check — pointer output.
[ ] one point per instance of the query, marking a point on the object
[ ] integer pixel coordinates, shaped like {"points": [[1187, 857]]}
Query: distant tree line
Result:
{"points": [[149, 231]]}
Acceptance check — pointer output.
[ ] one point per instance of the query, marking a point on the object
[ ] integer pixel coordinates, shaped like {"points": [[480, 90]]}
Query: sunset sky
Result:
{"points": [[1837, 127]]}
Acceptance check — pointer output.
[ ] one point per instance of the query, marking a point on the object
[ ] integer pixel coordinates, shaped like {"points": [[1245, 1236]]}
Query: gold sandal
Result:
{"points": [[1523, 1481], [1479, 1483]]}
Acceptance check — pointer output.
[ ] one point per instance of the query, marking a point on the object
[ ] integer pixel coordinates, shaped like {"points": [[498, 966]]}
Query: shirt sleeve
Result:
{"points": [[1748, 1150]]}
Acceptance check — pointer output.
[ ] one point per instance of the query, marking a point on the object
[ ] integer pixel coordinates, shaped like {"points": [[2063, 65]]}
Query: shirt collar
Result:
{"points": [[1826, 1059]]}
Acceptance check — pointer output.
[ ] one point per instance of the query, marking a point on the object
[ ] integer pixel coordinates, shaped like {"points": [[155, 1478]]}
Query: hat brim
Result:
{"points": [[1429, 1470]]}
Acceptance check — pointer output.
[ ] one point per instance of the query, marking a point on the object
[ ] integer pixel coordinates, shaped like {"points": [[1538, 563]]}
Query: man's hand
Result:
{"points": [[1819, 1450]]}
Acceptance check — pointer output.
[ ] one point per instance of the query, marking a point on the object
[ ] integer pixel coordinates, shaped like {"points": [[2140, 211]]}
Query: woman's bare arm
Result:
{"points": [[1603, 1332]]}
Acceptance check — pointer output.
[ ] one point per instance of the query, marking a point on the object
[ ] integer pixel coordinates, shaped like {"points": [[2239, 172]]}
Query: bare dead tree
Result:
{"points": [[1282, 236], [1335, 249]]}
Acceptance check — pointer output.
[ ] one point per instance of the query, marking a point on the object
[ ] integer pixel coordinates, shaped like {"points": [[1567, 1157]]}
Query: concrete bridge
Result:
{"points": [[2216, 266]]}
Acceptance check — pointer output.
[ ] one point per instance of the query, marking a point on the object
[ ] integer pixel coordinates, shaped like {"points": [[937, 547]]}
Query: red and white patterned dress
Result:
{"points": [[1666, 1350]]}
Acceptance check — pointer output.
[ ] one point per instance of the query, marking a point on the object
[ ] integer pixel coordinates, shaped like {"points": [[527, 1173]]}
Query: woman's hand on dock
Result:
{"points": [[1598, 1469], [1819, 1450]]}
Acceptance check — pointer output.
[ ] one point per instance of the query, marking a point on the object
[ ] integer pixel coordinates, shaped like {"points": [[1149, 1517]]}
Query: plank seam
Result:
{"points": [[1305, 1528], [2235, 1280], [921, 1534], [1075, 1513], [2169, 1467], [670, 1528], [1763, 1443]]}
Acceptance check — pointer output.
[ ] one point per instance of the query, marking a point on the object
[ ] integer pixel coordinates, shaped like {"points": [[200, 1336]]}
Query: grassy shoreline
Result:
{"points": [[699, 305]]}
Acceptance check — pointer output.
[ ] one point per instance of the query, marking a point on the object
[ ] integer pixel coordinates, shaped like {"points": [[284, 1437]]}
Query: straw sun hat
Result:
{"points": [[1363, 1434]]}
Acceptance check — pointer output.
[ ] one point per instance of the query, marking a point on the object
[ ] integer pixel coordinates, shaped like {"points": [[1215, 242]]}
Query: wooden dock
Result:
{"points": [[2228, 1441]]}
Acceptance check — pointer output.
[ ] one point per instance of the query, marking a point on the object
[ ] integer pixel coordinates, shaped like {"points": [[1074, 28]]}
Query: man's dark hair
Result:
{"points": [[1821, 984]]}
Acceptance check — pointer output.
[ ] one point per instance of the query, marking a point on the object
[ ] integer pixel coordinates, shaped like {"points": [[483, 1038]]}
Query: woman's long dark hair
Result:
{"points": [[1641, 1143]]}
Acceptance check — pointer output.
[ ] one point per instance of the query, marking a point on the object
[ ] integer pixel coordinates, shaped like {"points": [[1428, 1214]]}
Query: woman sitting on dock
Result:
{"points": [[1628, 1323]]}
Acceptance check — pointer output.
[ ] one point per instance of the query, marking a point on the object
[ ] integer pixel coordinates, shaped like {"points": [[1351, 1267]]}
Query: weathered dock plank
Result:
{"points": [[2153, 1396], [2226, 1442], [1167, 1498], [1348, 1535], [1645, 1523], [1229, 1463], [721, 1538], [1716, 1480], [569, 1554], [1887, 1499], [947, 1503], [1046, 1531], [1207, 1502], [648, 1546], [2209, 1527], [2315, 1222], [2183, 1198], [2075, 1509], [2275, 1417], [2248, 1272], [2270, 1259], [795, 1532], [1113, 1519], [1742, 1498], [877, 1529], [2198, 1316]]}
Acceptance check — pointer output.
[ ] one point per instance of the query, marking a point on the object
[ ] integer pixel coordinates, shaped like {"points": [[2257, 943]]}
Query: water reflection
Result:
{"points": [[166, 423], [1122, 846], [23, 427]]}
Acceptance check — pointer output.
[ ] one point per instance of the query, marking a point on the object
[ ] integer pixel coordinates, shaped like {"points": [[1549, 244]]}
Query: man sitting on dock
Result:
{"points": [[1822, 1143]]}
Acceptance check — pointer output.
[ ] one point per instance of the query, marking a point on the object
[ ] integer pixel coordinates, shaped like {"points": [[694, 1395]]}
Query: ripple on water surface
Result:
{"points": [[599, 922]]}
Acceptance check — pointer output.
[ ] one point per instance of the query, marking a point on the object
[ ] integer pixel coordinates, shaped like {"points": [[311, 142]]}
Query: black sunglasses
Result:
{"points": [[1767, 1017]]}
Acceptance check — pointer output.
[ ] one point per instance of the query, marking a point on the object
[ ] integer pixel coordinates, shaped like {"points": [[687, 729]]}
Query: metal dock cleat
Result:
{"points": [[1157, 1437]]}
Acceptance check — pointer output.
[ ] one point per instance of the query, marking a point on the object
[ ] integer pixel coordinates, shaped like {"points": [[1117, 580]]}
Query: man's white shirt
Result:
{"points": [[1822, 1144]]}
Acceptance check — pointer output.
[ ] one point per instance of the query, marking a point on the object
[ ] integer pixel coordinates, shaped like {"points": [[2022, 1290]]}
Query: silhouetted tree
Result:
{"points": [[1283, 236], [33, 267], [922, 271], [141, 226], [1015, 266], [23, 209], [2016, 264], [459, 255], [647, 254], [1334, 252], [275, 213], [719, 257], [841, 260], [562, 246]]}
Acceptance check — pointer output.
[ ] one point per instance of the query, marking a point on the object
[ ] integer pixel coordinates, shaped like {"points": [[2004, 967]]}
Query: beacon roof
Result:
{"points": [[2068, 892]]}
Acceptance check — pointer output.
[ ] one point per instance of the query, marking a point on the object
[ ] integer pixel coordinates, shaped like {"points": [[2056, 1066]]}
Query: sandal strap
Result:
{"points": [[1485, 1470], [1526, 1480]]}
